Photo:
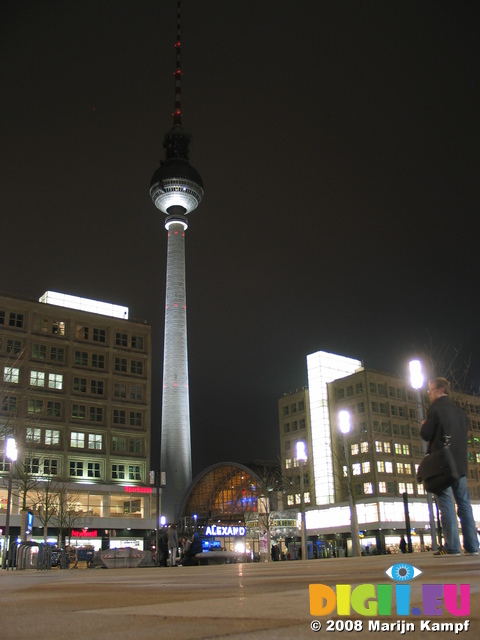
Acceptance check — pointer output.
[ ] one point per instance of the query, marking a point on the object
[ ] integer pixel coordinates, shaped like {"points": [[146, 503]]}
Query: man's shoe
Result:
{"points": [[471, 553], [442, 552]]}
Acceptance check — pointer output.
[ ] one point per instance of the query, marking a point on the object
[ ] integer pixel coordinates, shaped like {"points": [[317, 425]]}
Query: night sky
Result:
{"points": [[339, 145]]}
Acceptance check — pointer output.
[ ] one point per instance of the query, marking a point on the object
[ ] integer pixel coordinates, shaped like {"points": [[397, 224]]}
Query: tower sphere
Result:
{"points": [[176, 187]]}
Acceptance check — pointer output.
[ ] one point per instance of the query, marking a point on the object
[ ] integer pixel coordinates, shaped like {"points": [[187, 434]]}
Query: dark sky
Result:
{"points": [[339, 145]]}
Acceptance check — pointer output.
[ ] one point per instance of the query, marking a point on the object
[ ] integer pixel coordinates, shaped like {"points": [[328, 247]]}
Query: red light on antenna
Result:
{"points": [[176, 304]]}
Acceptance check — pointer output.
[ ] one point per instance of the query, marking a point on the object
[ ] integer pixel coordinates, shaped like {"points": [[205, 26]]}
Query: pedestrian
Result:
{"points": [[195, 546], [172, 536], [163, 548], [445, 418], [403, 545]]}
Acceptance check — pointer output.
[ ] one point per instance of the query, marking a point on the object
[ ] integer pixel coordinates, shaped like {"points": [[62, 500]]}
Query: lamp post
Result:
{"points": [[345, 428], [10, 454], [302, 458], [417, 380]]}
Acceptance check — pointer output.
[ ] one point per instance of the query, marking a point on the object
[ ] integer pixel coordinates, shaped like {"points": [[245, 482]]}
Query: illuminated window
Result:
{"points": [[401, 487], [55, 380], [354, 448], [77, 440], [410, 488], [356, 469], [366, 467], [11, 374], [95, 441], [398, 448], [37, 378], [364, 447], [406, 449], [378, 446], [380, 466], [288, 463], [76, 468], [52, 437], [345, 471], [387, 447], [399, 467], [367, 488], [388, 467], [298, 498], [33, 434], [290, 500], [306, 497], [58, 328], [420, 490], [408, 468], [382, 487]]}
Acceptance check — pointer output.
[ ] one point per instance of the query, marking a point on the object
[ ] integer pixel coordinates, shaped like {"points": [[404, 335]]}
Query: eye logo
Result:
{"points": [[402, 572]]}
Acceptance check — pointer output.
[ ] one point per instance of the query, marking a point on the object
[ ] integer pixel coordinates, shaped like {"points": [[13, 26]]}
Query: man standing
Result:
{"points": [[445, 418]]}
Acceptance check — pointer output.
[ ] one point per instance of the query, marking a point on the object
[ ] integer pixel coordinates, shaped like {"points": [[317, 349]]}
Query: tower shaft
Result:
{"points": [[176, 457]]}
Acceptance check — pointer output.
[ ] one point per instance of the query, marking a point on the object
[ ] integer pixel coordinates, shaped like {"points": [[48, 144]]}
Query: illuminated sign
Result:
{"points": [[84, 304], [221, 530], [138, 489], [84, 533]]}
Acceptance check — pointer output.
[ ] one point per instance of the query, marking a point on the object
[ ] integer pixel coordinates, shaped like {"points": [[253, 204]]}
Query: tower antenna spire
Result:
{"points": [[177, 111]]}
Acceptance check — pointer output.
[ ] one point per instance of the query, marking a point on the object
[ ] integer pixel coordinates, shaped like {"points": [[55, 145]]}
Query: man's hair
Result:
{"points": [[442, 383]]}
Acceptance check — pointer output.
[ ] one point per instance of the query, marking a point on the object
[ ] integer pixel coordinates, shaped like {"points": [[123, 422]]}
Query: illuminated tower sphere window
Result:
{"points": [[176, 189]]}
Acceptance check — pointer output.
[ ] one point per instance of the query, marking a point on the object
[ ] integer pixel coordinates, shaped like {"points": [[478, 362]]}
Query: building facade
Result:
{"points": [[384, 450], [76, 377]]}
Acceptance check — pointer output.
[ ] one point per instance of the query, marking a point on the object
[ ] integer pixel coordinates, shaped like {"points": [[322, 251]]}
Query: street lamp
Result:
{"points": [[345, 428], [10, 454], [302, 458], [416, 380]]}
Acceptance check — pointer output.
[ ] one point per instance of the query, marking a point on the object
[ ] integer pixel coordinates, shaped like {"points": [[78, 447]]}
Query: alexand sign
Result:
{"points": [[220, 530]]}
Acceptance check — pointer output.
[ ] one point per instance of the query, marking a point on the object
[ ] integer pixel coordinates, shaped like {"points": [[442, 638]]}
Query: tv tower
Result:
{"points": [[176, 189]]}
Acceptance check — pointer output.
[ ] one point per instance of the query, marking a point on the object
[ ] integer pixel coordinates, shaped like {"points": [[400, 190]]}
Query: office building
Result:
{"points": [[76, 377]]}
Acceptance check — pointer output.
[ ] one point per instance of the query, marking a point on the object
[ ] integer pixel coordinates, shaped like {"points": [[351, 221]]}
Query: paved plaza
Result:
{"points": [[252, 601]]}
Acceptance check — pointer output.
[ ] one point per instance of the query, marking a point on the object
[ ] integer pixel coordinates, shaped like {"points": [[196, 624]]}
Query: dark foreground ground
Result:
{"points": [[252, 601]]}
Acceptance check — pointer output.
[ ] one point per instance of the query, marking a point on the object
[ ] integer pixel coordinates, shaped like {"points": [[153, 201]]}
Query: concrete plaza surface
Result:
{"points": [[252, 601]]}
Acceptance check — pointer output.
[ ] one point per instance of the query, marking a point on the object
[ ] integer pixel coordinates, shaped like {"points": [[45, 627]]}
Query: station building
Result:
{"points": [[76, 378]]}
